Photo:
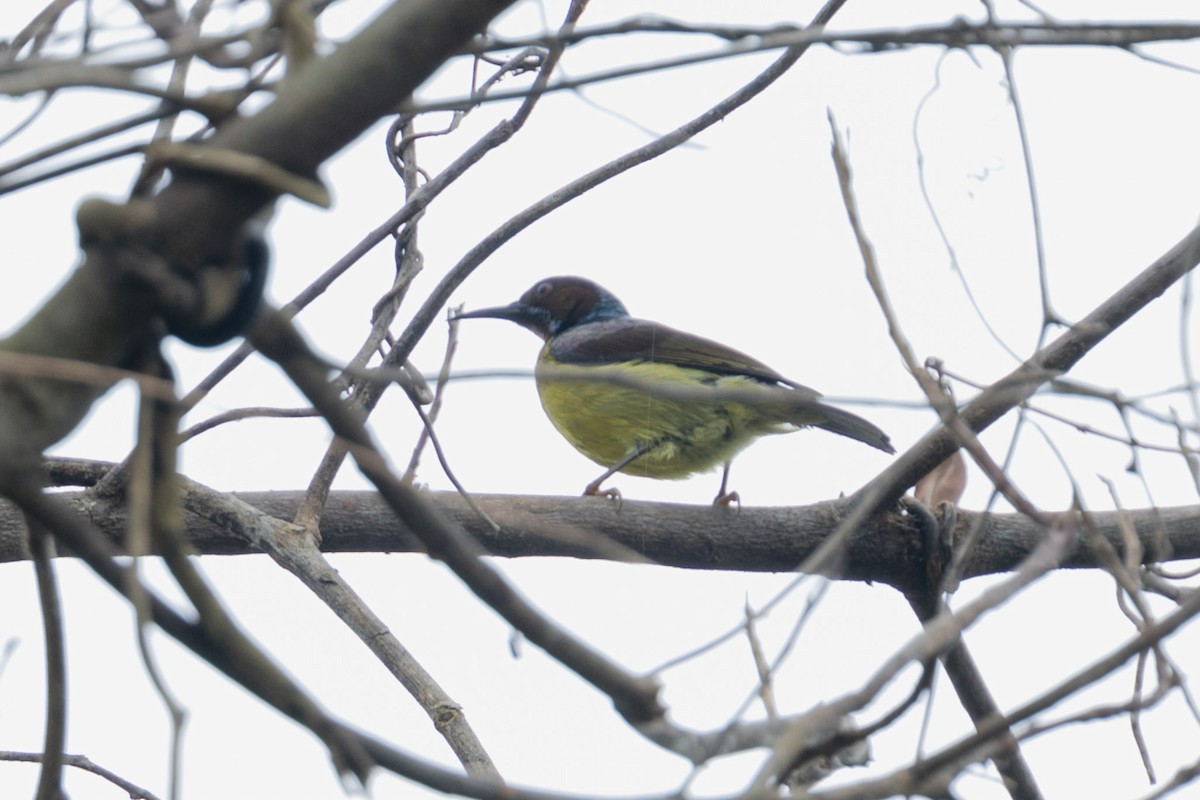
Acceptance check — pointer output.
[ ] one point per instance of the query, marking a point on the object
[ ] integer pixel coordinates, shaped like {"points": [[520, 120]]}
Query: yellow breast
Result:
{"points": [[607, 422]]}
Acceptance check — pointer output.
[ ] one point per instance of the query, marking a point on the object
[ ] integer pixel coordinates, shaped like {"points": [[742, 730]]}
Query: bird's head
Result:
{"points": [[554, 305]]}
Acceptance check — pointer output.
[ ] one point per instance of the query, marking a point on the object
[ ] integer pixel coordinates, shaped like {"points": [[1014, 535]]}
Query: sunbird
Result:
{"points": [[633, 395]]}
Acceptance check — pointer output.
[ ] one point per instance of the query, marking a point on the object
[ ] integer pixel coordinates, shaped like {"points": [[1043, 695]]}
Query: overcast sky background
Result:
{"points": [[740, 236]]}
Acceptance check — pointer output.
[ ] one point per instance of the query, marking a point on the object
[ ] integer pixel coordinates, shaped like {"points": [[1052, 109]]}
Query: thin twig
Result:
{"points": [[410, 472], [84, 763], [936, 218], [1183, 777], [144, 489], [956, 35], [765, 692], [41, 545], [242, 414]]}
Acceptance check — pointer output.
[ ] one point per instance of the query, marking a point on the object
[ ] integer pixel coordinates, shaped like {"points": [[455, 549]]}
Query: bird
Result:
{"points": [[634, 395]]}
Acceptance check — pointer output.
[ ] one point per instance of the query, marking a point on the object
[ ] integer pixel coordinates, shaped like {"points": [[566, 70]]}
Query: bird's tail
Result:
{"points": [[855, 427]]}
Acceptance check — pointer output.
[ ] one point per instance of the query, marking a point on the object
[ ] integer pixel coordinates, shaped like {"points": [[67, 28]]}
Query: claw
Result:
{"points": [[593, 490], [727, 499]]}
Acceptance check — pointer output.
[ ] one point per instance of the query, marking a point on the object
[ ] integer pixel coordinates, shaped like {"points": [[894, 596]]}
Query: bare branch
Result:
{"points": [[753, 41], [84, 763], [296, 552], [887, 550]]}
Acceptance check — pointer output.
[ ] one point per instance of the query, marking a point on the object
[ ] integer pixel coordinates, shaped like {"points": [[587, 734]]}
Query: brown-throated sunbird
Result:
{"points": [[644, 412]]}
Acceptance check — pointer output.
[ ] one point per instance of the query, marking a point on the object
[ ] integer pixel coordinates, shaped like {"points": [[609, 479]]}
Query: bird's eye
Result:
{"points": [[543, 288]]}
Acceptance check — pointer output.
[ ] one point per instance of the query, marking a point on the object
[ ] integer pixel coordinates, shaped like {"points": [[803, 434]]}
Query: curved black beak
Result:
{"points": [[533, 318], [513, 312]]}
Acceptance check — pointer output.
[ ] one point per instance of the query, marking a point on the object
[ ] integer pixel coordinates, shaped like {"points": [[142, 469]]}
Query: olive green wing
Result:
{"points": [[623, 340]]}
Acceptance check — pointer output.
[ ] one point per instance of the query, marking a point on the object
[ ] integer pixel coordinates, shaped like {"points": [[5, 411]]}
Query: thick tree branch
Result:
{"points": [[889, 550], [103, 313]]}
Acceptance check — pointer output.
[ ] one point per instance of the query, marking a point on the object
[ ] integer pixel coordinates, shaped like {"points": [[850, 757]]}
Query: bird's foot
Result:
{"points": [[593, 490], [727, 499]]}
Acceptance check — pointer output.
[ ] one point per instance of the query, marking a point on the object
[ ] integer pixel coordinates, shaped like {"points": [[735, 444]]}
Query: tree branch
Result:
{"points": [[889, 549], [100, 316]]}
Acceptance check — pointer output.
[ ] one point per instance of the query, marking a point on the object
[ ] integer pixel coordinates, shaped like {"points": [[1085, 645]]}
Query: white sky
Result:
{"points": [[740, 237]]}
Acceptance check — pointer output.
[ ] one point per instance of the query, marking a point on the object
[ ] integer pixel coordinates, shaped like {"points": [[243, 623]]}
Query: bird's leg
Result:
{"points": [[593, 488], [723, 497]]}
